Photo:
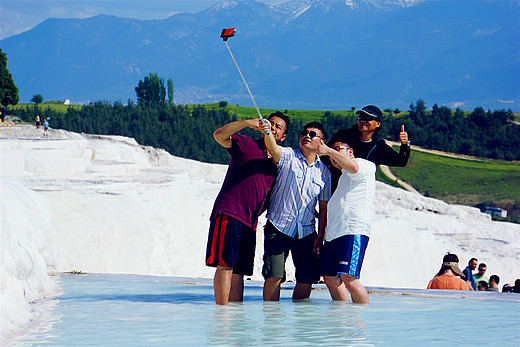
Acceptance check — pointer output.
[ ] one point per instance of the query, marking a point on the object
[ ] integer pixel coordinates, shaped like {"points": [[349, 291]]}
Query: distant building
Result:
{"points": [[64, 102], [495, 211]]}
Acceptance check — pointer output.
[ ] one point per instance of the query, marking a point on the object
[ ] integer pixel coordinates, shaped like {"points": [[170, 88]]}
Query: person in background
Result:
{"points": [[468, 275], [303, 182], [242, 198], [37, 121], [482, 286], [480, 275], [507, 288], [46, 126], [447, 278], [349, 219], [494, 280], [516, 288], [362, 137]]}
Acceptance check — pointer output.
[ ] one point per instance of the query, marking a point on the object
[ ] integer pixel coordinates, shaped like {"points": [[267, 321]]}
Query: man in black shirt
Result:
{"points": [[362, 137]]}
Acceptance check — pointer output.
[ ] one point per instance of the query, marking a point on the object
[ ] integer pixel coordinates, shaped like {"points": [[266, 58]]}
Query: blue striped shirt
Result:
{"points": [[296, 191]]}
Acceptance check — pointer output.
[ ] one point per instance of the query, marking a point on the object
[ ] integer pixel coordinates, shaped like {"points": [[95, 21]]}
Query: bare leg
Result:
{"points": [[222, 284], [357, 291], [237, 288], [301, 291], [272, 289], [337, 288]]}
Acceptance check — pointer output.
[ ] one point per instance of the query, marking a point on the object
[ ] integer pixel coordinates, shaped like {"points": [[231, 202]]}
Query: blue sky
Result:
{"points": [[17, 16]]}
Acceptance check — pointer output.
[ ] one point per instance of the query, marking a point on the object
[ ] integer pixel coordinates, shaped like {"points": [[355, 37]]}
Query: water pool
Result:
{"points": [[122, 310]]}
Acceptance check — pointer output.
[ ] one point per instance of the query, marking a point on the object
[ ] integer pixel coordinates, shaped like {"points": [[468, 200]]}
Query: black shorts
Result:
{"points": [[276, 250], [231, 244]]}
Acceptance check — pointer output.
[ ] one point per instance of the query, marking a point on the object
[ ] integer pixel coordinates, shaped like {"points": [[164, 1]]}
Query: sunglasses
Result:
{"points": [[366, 118], [312, 133], [338, 148]]}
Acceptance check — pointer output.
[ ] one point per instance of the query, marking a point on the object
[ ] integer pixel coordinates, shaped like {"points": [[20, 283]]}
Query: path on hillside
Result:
{"points": [[386, 170]]}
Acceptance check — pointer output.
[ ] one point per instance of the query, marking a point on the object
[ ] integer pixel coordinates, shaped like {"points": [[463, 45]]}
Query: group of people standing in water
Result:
{"points": [[337, 178]]}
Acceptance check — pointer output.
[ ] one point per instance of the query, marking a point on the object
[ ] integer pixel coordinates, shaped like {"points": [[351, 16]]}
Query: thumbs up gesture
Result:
{"points": [[403, 136]]}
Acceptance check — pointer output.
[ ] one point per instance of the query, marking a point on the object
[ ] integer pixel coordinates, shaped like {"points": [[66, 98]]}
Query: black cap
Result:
{"points": [[371, 111]]}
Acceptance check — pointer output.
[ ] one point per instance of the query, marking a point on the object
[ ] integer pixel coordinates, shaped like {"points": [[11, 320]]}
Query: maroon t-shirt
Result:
{"points": [[248, 180]]}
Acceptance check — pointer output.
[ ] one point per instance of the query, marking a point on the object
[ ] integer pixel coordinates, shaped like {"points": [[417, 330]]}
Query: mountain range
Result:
{"points": [[301, 54]]}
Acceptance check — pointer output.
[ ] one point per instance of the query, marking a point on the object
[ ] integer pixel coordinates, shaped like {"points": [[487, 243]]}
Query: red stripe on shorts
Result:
{"points": [[214, 241], [221, 244]]}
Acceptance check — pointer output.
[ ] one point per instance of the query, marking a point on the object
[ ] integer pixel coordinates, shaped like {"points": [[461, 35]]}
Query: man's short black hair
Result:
{"points": [[283, 117], [495, 279], [318, 126], [481, 265]]}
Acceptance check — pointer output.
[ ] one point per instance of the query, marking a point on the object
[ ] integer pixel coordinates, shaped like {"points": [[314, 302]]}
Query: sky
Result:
{"points": [[17, 16]]}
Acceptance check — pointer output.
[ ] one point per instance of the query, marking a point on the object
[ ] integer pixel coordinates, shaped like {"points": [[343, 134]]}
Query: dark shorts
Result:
{"points": [[276, 250], [343, 255], [231, 244]]}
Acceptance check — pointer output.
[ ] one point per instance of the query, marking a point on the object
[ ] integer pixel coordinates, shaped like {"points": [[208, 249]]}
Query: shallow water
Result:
{"points": [[117, 310]]}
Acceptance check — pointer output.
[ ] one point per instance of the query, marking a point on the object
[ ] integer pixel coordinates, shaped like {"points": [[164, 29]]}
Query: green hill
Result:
{"points": [[465, 181]]}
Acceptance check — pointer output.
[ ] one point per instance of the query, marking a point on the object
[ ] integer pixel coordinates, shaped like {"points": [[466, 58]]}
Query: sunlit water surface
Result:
{"points": [[122, 310]]}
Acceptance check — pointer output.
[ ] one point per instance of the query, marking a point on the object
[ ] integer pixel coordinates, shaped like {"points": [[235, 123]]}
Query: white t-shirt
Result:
{"points": [[349, 211]]}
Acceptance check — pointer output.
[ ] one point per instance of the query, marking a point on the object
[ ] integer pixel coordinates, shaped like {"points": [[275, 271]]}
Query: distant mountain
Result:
{"points": [[302, 54]]}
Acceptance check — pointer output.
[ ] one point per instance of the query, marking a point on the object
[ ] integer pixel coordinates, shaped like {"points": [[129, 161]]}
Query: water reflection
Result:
{"points": [[288, 323]]}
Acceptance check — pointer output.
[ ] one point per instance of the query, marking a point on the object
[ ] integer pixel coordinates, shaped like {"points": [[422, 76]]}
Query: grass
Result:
{"points": [[243, 112], [53, 106], [461, 181]]}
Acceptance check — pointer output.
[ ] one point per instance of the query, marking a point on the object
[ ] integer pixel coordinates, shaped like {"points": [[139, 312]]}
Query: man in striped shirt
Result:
{"points": [[303, 181]]}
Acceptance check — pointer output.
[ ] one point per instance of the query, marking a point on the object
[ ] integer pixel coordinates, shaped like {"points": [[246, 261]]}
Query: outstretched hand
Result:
{"points": [[403, 136], [264, 126]]}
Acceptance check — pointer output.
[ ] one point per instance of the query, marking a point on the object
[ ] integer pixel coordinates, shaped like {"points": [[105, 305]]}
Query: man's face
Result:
{"points": [[310, 138], [367, 124], [278, 128], [473, 265], [341, 148], [482, 270]]}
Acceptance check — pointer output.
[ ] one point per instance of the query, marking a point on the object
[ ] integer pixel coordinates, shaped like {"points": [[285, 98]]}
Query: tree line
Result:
{"points": [[187, 131]]}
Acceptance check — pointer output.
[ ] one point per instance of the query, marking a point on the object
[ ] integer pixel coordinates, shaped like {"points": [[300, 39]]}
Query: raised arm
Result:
{"points": [[344, 160], [270, 142], [223, 134]]}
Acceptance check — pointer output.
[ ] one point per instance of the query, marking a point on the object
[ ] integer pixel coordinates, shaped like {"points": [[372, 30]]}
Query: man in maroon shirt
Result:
{"points": [[242, 198]]}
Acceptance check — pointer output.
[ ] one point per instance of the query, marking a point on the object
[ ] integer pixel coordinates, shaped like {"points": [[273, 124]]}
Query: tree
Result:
{"points": [[151, 91], [8, 90], [418, 111], [170, 92], [37, 99]]}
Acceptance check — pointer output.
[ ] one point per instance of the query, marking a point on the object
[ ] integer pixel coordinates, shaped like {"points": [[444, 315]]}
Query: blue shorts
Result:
{"points": [[231, 244], [343, 255]]}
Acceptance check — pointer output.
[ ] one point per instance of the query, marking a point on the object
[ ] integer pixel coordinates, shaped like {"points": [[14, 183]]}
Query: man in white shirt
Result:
{"points": [[349, 217]]}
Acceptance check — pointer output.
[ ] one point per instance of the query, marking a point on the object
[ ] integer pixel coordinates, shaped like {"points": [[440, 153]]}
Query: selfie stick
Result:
{"points": [[225, 35]]}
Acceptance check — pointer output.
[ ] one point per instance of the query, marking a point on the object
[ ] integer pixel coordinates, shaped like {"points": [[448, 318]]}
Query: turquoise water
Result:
{"points": [[112, 310]]}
